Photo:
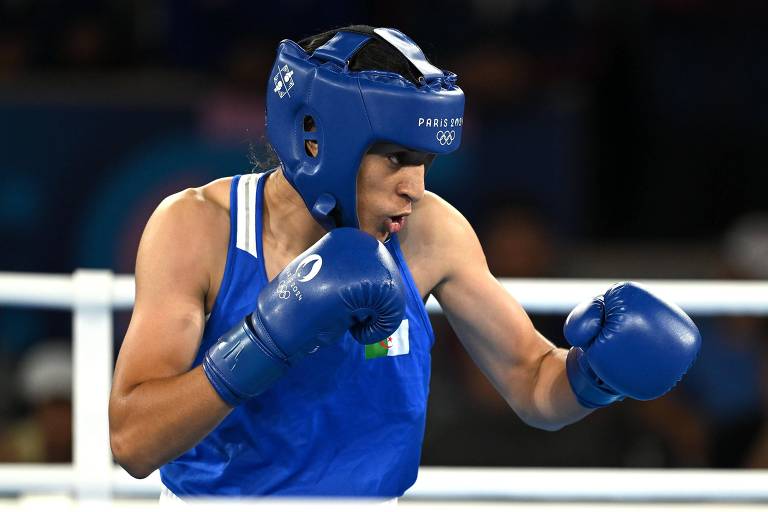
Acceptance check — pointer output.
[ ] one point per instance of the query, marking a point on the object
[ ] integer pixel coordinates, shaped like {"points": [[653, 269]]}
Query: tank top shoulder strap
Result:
{"points": [[246, 204], [244, 273], [393, 245]]}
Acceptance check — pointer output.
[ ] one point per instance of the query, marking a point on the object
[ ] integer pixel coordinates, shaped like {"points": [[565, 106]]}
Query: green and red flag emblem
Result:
{"points": [[394, 345]]}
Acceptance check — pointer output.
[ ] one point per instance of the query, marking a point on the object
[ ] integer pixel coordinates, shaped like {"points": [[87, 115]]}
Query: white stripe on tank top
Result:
{"points": [[246, 213]]}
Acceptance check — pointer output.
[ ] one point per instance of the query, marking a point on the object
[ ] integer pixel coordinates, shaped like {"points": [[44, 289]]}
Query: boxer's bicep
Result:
{"points": [[171, 281], [160, 406], [491, 324]]}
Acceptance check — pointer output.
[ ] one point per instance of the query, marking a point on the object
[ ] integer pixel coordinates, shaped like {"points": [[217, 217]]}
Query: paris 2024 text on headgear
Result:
{"points": [[351, 111]]}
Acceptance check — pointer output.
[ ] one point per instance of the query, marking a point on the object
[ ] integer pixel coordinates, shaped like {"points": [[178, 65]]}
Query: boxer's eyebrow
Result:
{"points": [[415, 157], [406, 155]]}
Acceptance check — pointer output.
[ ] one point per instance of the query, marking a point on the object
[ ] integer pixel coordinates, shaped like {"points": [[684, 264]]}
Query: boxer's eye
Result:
{"points": [[395, 159], [409, 158]]}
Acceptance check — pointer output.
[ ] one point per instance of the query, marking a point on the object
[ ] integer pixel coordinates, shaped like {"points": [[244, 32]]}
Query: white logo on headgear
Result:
{"points": [[283, 81], [445, 137], [440, 122], [313, 259]]}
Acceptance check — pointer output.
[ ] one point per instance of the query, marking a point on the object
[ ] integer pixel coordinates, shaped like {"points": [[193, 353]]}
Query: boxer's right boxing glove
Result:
{"points": [[345, 281], [628, 342]]}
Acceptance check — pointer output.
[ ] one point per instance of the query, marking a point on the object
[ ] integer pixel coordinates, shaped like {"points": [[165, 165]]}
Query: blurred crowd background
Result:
{"points": [[602, 139]]}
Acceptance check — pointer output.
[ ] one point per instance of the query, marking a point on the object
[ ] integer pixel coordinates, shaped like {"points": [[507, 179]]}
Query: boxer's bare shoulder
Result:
{"points": [[436, 240], [190, 231]]}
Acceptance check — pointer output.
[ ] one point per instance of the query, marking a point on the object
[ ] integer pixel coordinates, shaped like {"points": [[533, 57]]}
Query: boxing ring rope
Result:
{"points": [[92, 296]]}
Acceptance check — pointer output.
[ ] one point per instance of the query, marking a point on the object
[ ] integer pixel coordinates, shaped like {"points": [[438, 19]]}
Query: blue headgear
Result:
{"points": [[351, 111]]}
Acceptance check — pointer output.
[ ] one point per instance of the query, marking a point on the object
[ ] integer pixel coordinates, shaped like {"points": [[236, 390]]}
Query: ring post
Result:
{"points": [[92, 364]]}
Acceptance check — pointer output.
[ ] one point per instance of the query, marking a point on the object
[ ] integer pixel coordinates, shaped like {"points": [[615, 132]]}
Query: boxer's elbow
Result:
{"points": [[542, 423], [540, 394], [130, 459], [553, 417], [532, 415], [125, 443], [543, 415]]}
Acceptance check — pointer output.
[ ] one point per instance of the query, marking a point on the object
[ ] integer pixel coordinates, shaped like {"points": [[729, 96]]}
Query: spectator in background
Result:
{"points": [[45, 384]]}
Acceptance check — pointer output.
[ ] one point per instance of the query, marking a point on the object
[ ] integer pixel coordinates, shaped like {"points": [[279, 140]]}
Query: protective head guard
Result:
{"points": [[351, 111]]}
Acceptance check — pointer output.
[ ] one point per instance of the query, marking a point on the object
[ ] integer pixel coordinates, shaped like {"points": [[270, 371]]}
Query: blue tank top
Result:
{"points": [[347, 420]]}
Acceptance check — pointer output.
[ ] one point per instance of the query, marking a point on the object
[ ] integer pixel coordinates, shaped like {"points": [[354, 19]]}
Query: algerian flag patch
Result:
{"points": [[395, 345]]}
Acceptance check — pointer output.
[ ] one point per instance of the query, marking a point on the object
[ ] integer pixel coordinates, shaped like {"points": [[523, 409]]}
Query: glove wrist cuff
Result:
{"points": [[590, 391], [240, 365]]}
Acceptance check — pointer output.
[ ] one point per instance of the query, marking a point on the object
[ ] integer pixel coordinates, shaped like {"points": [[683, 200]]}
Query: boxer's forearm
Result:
{"points": [[160, 419], [552, 404]]}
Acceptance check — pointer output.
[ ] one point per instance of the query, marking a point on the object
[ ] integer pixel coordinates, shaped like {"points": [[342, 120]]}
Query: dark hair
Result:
{"points": [[375, 54]]}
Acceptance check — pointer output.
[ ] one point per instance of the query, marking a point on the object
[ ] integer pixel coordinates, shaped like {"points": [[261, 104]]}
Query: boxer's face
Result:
{"points": [[390, 181]]}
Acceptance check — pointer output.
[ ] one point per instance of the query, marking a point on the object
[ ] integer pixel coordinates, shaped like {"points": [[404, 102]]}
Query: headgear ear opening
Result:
{"points": [[311, 147], [315, 98]]}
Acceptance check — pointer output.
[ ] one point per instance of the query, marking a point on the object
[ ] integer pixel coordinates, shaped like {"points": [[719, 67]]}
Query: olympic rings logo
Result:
{"points": [[282, 290], [445, 137]]}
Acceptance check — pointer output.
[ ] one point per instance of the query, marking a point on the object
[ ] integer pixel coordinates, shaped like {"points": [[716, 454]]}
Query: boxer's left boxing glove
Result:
{"points": [[347, 281], [628, 343]]}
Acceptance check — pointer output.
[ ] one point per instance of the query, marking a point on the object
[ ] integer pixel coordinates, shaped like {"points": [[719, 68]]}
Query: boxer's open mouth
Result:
{"points": [[396, 223]]}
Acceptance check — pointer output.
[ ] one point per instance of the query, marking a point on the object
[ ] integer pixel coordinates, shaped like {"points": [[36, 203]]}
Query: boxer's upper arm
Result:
{"points": [[173, 270], [490, 323]]}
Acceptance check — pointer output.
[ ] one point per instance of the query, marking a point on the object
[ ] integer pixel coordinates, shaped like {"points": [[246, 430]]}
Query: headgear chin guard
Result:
{"points": [[351, 111]]}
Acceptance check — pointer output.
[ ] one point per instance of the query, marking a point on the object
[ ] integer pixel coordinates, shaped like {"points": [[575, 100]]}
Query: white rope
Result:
{"points": [[536, 295], [535, 484], [63, 504], [502, 484], [59, 291]]}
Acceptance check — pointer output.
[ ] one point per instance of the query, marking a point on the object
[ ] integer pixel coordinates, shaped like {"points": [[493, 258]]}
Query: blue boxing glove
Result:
{"points": [[345, 281], [628, 343]]}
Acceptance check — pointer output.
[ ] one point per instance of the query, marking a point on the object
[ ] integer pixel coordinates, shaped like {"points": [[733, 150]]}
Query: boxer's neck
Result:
{"points": [[289, 228]]}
